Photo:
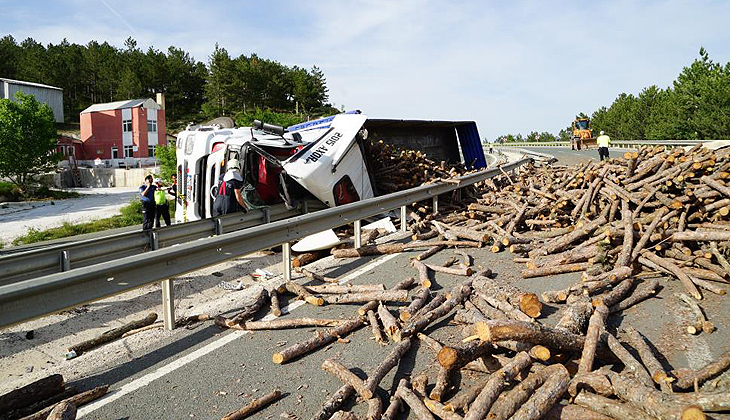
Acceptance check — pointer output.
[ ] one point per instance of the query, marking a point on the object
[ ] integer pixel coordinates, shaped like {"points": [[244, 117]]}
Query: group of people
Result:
{"points": [[154, 201]]}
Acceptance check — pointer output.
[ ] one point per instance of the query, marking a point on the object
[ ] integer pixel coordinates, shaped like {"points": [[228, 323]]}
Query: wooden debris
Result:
{"points": [[255, 406], [35, 391], [111, 335], [76, 400], [334, 402], [280, 324], [346, 376]]}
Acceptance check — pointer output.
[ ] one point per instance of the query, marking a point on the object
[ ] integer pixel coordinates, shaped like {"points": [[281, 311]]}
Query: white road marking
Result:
{"points": [[228, 338]]}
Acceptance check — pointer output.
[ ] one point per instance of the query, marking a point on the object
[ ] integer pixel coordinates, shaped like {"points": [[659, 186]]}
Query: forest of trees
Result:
{"points": [[194, 91], [695, 107]]}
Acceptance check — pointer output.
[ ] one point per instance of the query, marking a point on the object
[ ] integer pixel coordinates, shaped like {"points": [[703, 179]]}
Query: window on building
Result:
{"points": [[70, 151], [115, 153], [151, 126], [127, 126], [151, 151], [128, 151]]}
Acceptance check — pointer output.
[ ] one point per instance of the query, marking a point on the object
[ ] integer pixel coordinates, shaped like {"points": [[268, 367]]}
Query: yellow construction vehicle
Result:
{"points": [[582, 135]]}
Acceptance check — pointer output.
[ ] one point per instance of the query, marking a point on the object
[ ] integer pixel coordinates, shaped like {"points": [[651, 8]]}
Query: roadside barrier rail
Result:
{"points": [[614, 143], [38, 296]]}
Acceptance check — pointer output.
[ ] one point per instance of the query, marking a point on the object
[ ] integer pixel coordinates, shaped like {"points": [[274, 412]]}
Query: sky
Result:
{"points": [[512, 66]]}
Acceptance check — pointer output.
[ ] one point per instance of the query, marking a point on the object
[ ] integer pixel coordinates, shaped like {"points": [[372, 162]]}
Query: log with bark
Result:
{"points": [[417, 407], [375, 327], [657, 372], [301, 292], [687, 379], [499, 289], [595, 326], [317, 341], [62, 411], [76, 400], [373, 304], [385, 296], [509, 402], [632, 365], [281, 324], [494, 386], [390, 361], [34, 392], [254, 406], [418, 323], [423, 274], [345, 288], [111, 335], [612, 408], [390, 323], [382, 249], [545, 397], [698, 322], [346, 376], [334, 402], [419, 300]]}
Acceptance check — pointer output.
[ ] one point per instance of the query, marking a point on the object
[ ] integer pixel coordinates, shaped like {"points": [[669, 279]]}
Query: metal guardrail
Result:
{"points": [[614, 143], [19, 266], [27, 299]]}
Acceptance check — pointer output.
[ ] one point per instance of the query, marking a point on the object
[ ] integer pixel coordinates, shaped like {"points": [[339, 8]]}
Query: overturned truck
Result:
{"points": [[326, 159]]}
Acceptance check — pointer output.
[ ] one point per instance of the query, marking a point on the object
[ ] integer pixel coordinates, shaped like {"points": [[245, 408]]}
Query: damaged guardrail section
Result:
{"points": [[27, 299]]}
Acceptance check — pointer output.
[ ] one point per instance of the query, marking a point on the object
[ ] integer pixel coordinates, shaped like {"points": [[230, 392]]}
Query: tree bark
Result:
{"points": [[34, 392], [595, 381], [440, 410], [417, 406], [385, 295], [346, 376], [306, 258], [390, 324], [575, 316], [373, 304], [508, 403], [624, 257], [417, 303], [443, 380], [343, 415], [644, 239], [456, 357], [545, 397], [573, 412], [531, 332], [62, 411], [466, 396], [334, 402], [700, 236], [616, 294], [698, 322], [510, 311], [458, 295], [281, 324], [456, 271], [550, 270], [423, 277], [647, 290], [375, 409], [382, 249], [391, 413], [563, 242], [317, 341], [429, 252], [112, 335], [387, 364], [275, 305], [314, 276], [655, 403], [716, 185], [255, 406], [494, 386], [463, 233], [595, 326], [482, 306]]}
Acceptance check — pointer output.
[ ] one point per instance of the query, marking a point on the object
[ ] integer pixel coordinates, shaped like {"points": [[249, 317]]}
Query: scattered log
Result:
{"points": [[375, 409], [456, 271], [640, 344], [39, 390], [573, 412], [373, 304], [343, 415], [111, 335], [700, 236], [510, 311], [611, 408], [275, 305], [281, 324], [334, 402], [314, 276], [467, 260], [698, 322], [463, 233], [346, 376], [417, 406], [682, 276], [575, 316], [429, 252], [307, 258], [478, 303], [423, 277], [345, 288], [465, 397], [76, 400], [302, 293], [317, 341], [509, 402], [660, 405], [595, 326], [530, 332], [555, 269], [696, 378], [387, 364], [70, 391], [443, 378], [255, 406], [632, 365], [458, 295], [647, 290], [385, 295], [62, 411], [391, 413], [382, 249], [390, 324], [494, 386], [595, 381], [528, 303], [545, 397], [440, 410], [644, 239], [373, 320], [455, 357], [419, 300]]}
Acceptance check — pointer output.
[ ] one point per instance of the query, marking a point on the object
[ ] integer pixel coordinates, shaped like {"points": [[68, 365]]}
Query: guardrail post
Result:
{"points": [[218, 227], [435, 204], [65, 261], [305, 207], [267, 215], [168, 296], [286, 253], [403, 219], [358, 234]]}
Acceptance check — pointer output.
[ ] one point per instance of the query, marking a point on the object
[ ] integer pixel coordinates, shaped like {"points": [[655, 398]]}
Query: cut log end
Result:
{"points": [[278, 358], [531, 305], [693, 413], [540, 353]]}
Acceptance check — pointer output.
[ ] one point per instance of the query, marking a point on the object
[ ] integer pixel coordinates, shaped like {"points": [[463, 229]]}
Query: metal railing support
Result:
{"points": [[267, 215], [403, 219], [286, 254], [218, 227], [65, 261], [435, 204], [168, 296], [358, 233]]}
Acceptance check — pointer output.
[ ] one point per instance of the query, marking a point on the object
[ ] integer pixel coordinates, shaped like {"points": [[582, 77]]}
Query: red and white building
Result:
{"points": [[126, 132]]}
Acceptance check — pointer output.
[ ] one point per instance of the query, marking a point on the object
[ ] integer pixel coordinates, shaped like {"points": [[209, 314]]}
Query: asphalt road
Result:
{"points": [[566, 156], [206, 372]]}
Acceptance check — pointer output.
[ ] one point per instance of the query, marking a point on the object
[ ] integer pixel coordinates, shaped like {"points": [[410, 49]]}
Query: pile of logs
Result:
{"points": [[396, 169]]}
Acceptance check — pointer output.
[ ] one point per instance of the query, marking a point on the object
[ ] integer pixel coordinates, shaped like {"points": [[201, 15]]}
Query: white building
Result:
{"points": [[50, 95]]}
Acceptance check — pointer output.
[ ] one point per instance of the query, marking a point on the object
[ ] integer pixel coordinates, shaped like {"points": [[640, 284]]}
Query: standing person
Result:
{"points": [[173, 188], [147, 191], [603, 142], [229, 198], [161, 206]]}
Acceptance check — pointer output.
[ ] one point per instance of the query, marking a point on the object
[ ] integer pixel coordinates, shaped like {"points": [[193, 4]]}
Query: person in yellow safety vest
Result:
{"points": [[603, 142]]}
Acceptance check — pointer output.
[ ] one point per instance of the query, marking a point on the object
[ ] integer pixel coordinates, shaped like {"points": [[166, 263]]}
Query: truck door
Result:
{"points": [[214, 167]]}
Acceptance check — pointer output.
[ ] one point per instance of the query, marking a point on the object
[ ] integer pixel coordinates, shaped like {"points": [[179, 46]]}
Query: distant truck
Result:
{"points": [[582, 137], [321, 159]]}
